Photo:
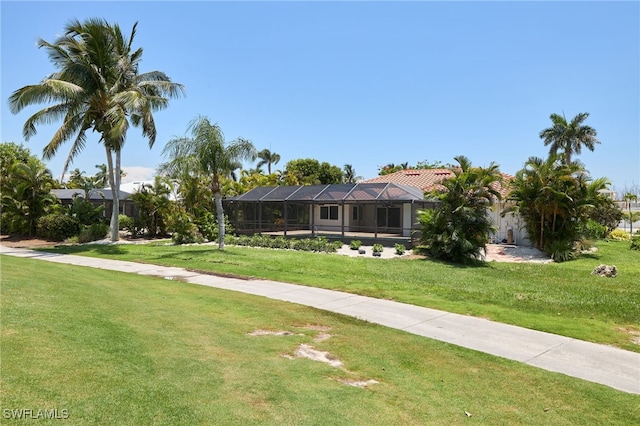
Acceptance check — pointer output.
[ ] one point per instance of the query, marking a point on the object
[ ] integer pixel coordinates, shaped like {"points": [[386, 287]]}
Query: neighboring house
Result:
{"points": [[382, 212], [509, 228], [98, 197]]}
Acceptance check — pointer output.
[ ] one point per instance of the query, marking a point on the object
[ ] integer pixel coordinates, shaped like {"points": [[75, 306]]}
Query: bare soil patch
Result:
{"points": [[25, 242]]}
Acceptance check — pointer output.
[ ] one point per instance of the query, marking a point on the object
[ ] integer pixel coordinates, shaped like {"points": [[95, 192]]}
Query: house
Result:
{"points": [[510, 227], [98, 197], [380, 212]]}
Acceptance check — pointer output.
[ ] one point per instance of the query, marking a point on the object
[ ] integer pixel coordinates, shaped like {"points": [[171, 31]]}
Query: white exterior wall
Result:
{"points": [[328, 224], [503, 224]]}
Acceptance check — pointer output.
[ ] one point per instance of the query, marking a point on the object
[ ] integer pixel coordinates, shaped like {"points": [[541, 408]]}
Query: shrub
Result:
{"points": [[57, 227], [635, 243], [400, 249], [561, 250], [93, 232], [355, 244], [619, 235], [593, 230], [183, 228], [124, 222], [378, 248]]}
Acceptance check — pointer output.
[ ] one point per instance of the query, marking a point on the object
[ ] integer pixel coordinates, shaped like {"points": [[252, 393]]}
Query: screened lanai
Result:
{"points": [[376, 211]]}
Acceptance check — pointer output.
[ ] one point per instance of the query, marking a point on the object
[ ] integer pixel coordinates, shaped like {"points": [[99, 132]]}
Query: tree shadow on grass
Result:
{"points": [[106, 249], [469, 263]]}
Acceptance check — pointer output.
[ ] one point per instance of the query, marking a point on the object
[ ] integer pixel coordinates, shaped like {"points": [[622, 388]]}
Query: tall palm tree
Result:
{"points": [[569, 137], [267, 157], [97, 87], [206, 153]]}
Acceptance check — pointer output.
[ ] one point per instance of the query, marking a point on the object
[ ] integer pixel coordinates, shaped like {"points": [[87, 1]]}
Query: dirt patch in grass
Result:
{"points": [[270, 333], [358, 383], [633, 334], [308, 351]]}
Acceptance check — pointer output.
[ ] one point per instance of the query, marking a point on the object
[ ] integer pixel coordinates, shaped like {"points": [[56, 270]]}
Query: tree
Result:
{"points": [[76, 179], [154, 206], [26, 197], [308, 171], [556, 200], [568, 138], [11, 153], [206, 153], [97, 87], [267, 157], [101, 178], [628, 198], [349, 174], [457, 230]]}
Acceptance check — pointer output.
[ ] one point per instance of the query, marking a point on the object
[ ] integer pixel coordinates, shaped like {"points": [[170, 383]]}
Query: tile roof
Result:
{"points": [[429, 179]]}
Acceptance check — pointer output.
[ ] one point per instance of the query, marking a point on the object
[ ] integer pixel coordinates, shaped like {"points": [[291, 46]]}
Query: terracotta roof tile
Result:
{"points": [[429, 179]]}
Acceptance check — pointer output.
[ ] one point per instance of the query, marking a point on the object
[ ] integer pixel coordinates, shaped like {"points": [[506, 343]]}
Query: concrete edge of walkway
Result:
{"points": [[597, 363]]}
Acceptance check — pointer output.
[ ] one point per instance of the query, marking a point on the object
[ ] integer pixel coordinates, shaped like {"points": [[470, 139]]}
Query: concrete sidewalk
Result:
{"points": [[602, 364]]}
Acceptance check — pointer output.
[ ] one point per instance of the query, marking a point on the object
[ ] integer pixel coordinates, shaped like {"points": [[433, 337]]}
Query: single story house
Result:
{"points": [[98, 197], [510, 227], [366, 211]]}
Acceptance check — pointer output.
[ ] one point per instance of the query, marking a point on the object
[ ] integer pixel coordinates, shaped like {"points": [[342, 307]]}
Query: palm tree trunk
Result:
{"points": [[217, 198], [114, 193], [541, 246]]}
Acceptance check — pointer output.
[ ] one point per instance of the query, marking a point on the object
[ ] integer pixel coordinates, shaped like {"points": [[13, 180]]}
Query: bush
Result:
{"points": [[561, 250], [635, 243], [93, 232], [57, 227], [125, 222], [619, 235], [355, 244], [400, 249], [378, 248], [593, 230], [184, 230]]}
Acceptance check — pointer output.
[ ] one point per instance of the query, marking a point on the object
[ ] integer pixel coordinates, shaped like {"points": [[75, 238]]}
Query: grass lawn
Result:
{"points": [[115, 348], [561, 298]]}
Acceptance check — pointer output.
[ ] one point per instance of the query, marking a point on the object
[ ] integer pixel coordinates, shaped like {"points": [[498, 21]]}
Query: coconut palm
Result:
{"points": [[206, 153], [569, 137], [267, 157], [97, 87]]}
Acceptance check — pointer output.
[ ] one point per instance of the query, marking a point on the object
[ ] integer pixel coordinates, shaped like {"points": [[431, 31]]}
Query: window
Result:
{"points": [[355, 213], [329, 212]]}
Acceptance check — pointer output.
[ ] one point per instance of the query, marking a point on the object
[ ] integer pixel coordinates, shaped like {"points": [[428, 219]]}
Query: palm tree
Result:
{"points": [[207, 154], [76, 179], [102, 177], [267, 157], [97, 87], [350, 174], [457, 229], [569, 137], [629, 197], [28, 196]]}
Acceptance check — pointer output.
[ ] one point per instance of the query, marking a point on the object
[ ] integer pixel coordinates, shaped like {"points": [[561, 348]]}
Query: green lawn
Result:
{"points": [[562, 298], [115, 348]]}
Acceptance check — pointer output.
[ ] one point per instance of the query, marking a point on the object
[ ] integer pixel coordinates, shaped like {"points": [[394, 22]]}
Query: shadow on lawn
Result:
{"points": [[106, 249]]}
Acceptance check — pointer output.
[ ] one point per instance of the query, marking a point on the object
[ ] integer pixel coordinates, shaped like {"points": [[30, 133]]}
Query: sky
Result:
{"points": [[361, 83]]}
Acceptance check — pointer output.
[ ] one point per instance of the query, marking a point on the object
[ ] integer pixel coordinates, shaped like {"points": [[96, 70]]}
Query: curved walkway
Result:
{"points": [[602, 364]]}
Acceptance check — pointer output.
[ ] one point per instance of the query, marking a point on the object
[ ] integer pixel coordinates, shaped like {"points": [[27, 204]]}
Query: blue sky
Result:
{"points": [[364, 83]]}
